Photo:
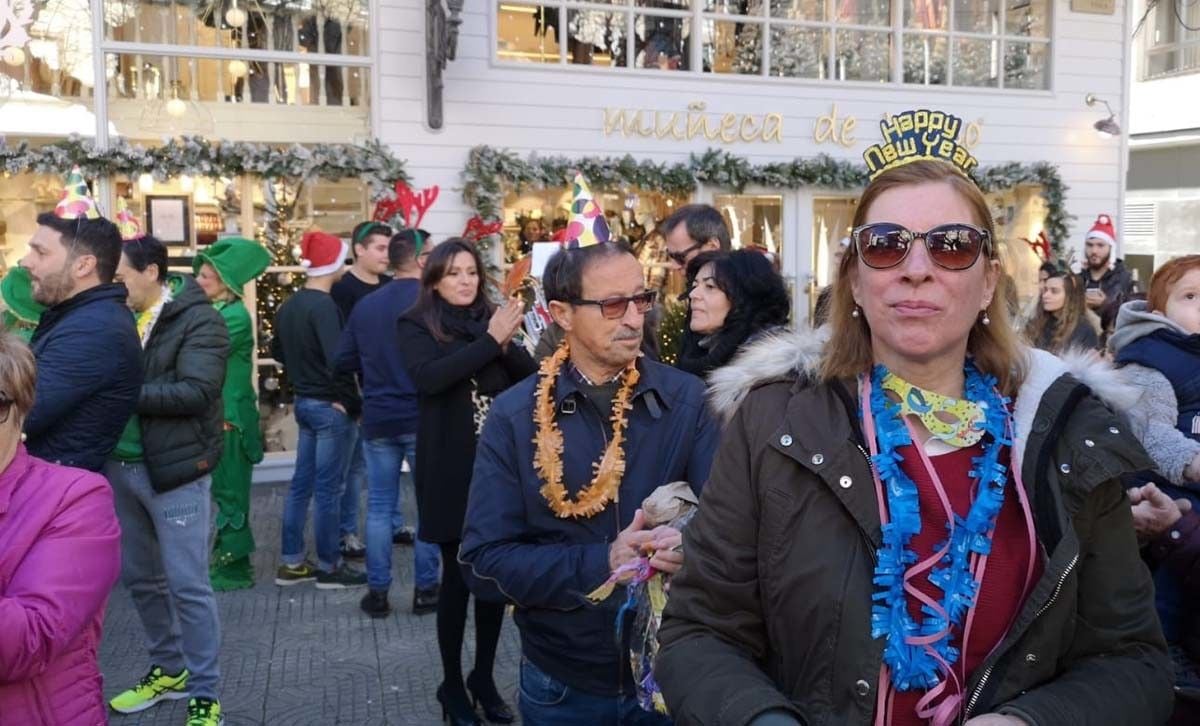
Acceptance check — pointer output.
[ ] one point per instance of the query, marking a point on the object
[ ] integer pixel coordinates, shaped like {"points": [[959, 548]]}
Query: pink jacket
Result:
{"points": [[60, 555]]}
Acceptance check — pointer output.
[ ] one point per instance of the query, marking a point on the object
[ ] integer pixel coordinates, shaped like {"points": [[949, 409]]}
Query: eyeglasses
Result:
{"points": [[680, 258], [883, 245], [614, 308]]}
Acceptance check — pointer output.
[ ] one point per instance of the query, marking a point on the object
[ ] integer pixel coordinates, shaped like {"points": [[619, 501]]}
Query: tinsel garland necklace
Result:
{"points": [[920, 655], [548, 444]]}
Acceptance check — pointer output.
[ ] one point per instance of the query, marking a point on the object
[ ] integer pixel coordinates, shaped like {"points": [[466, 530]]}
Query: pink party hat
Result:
{"points": [[76, 202], [587, 226], [127, 222]]}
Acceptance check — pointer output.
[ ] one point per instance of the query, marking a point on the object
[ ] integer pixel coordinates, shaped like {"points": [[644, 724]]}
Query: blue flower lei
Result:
{"points": [[915, 666]]}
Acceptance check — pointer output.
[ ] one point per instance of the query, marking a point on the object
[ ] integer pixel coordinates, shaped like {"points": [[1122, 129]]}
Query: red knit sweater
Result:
{"points": [[1003, 581]]}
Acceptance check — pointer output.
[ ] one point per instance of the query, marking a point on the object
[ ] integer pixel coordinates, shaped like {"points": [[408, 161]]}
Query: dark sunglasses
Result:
{"points": [[883, 245], [680, 258], [614, 308]]}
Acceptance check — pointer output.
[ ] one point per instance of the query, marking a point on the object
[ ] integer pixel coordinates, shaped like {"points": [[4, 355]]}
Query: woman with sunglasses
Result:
{"points": [[735, 299], [915, 520], [60, 555], [460, 354], [1062, 321]]}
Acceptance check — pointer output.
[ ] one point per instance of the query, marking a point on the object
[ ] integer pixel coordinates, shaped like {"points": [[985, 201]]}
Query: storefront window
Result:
{"points": [[754, 220], [1173, 41], [56, 63], [980, 43]]}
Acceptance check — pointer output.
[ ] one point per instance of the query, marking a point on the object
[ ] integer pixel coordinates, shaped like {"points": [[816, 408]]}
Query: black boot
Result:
{"points": [[375, 603], [457, 711], [486, 694], [425, 600]]}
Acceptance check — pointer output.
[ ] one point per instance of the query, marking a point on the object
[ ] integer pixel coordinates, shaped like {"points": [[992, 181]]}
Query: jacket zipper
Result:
{"points": [[988, 672]]}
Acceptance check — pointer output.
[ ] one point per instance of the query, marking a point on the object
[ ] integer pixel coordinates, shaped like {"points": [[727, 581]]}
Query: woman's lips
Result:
{"points": [[916, 309]]}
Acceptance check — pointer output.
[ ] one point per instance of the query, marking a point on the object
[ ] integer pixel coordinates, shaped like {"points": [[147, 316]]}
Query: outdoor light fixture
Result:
{"points": [[235, 16], [1106, 127], [186, 184]]}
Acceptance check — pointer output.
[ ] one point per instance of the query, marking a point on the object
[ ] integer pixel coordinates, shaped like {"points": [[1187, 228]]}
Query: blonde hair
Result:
{"points": [[18, 374], [995, 347]]}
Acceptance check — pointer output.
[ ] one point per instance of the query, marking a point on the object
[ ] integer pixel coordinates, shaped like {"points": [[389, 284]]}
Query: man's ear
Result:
{"points": [[712, 245], [84, 265], [563, 314]]}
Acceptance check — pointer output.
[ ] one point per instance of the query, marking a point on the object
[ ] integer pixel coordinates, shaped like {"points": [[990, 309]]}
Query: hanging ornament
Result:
{"points": [[271, 383], [235, 16], [238, 67]]}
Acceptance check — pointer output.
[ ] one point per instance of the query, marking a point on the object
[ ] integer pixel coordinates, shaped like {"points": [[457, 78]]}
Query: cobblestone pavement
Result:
{"points": [[299, 655]]}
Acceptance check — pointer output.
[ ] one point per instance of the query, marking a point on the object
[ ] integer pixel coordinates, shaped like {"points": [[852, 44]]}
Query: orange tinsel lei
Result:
{"points": [[548, 445]]}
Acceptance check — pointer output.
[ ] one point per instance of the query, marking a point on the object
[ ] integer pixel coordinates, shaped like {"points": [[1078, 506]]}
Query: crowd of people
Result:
{"points": [[976, 515]]}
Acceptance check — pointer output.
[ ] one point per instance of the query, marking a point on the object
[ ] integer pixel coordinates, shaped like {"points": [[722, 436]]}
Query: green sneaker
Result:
{"points": [[204, 712], [156, 686], [295, 574]]}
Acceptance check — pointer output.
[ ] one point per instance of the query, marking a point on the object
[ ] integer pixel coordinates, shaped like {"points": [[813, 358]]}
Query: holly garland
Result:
{"points": [[370, 161], [492, 173]]}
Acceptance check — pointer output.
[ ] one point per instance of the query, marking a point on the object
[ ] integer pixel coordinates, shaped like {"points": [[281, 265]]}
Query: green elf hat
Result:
{"points": [[236, 260], [16, 289]]}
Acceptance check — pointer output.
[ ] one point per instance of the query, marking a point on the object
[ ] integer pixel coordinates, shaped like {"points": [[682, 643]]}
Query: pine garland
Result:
{"points": [[491, 173]]}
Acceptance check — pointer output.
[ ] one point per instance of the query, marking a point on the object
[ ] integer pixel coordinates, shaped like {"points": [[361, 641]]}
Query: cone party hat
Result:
{"points": [[127, 222], [76, 201], [587, 226]]}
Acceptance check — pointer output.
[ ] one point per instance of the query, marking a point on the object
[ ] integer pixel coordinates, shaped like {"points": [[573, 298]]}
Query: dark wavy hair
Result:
{"points": [[430, 308], [758, 301]]}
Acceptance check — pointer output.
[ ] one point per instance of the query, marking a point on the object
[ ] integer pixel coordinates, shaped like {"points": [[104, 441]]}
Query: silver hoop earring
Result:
{"points": [[855, 312]]}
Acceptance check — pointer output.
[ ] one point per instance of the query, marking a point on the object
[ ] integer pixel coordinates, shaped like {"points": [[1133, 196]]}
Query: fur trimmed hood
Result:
{"points": [[797, 354]]}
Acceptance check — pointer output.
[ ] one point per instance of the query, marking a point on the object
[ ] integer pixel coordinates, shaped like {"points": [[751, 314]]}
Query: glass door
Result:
{"points": [[832, 217]]}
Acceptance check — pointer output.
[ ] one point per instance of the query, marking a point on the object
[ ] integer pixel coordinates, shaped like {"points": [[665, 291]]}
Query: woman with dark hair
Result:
{"points": [[1061, 321], [460, 354], [735, 298]]}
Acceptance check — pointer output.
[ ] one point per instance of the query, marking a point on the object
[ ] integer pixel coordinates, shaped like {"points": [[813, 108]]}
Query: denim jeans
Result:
{"points": [[322, 456], [546, 701], [384, 459], [356, 474], [164, 564]]}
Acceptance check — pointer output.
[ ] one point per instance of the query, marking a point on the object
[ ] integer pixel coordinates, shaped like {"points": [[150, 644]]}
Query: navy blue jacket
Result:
{"points": [[370, 346], [89, 362], [1177, 357], [547, 565]]}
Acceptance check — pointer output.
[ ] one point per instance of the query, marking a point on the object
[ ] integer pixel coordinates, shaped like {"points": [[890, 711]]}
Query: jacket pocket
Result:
{"points": [[538, 687]]}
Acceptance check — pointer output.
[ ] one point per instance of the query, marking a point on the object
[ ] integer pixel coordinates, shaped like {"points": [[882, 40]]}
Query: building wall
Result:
{"points": [[560, 110]]}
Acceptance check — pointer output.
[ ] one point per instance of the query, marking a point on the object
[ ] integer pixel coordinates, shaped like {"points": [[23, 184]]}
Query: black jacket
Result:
{"points": [[89, 371], [443, 374], [180, 407], [1117, 284]]}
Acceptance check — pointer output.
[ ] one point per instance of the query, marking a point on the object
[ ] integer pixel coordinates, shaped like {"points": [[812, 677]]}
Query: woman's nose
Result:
{"points": [[917, 265]]}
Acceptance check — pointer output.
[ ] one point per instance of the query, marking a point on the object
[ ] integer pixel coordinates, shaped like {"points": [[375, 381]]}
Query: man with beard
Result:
{"points": [[87, 350], [564, 461], [1107, 282]]}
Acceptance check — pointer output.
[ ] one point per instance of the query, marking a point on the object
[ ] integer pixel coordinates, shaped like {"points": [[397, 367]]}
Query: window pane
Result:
{"points": [[668, 4], [799, 52], [731, 47], [600, 2], [1025, 65], [926, 58], [927, 14], [977, 16], [596, 38], [863, 56], [864, 12], [1028, 17], [1162, 62], [661, 42], [976, 62], [527, 33], [799, 9], [731, 7], [754, 220]]}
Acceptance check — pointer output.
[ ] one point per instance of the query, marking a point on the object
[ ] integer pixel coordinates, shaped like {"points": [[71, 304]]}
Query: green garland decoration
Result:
{"points": [[489, 170], [371, 161]]}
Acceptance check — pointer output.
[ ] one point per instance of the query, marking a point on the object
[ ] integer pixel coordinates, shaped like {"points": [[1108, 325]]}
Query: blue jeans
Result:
{"points": [[322, 455], [355, 475], [384, 459], [546, 701], [164, 564]]}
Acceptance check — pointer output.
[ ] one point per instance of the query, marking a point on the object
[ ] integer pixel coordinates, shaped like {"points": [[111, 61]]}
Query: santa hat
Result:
{"points": [[127, 223], [587, 226], [322, 253], [1103, 230], [76, 201]]}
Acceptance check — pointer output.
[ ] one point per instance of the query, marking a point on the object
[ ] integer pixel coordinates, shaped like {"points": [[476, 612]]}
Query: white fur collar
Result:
{"points": [[798, 353]]}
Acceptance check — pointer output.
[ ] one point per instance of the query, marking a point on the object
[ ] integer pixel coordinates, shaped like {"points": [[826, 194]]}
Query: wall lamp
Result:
{"points": [[1106, 127]]}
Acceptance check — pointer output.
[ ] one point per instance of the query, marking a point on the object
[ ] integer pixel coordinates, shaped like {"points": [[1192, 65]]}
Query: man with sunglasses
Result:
{"points": [[544, 554], [87, 350], [692, 229], [368, 273]]}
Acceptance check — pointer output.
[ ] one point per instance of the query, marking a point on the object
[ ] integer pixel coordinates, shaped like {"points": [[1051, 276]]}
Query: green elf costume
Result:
{"points": [[236, 261], [21, 311]]}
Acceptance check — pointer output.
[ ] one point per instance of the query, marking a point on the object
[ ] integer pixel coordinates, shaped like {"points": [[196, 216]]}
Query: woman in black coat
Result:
{"points": [[459, 352]]}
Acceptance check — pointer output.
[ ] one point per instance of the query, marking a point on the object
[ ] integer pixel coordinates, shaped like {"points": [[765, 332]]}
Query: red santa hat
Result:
{"points": [[1103, 230], [322, 253]]}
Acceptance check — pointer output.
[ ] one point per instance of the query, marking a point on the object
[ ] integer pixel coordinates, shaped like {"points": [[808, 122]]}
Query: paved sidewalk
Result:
{"points": [[300, 656]]}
